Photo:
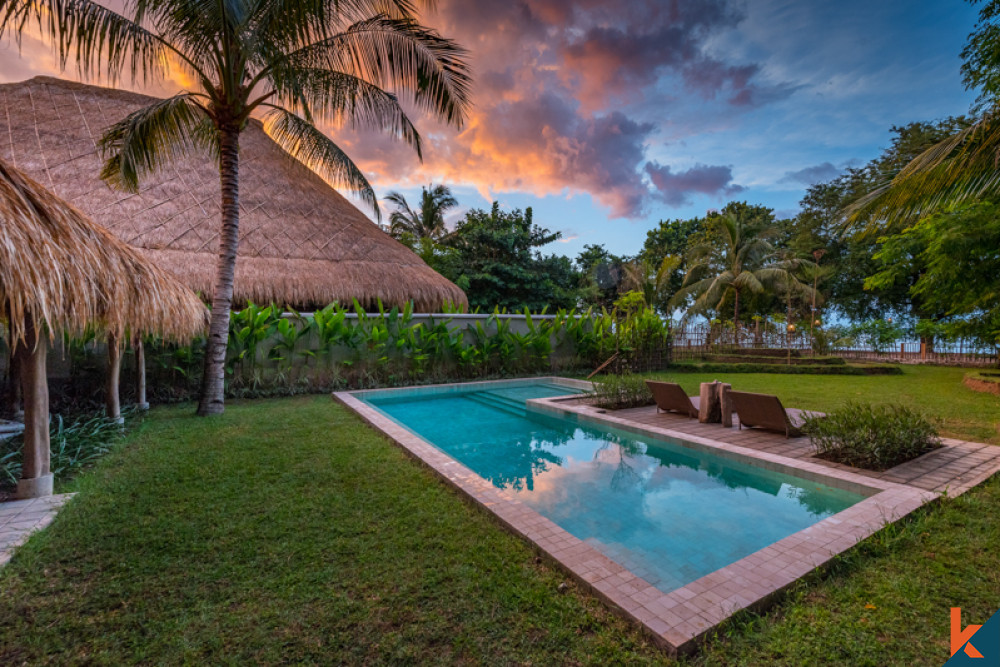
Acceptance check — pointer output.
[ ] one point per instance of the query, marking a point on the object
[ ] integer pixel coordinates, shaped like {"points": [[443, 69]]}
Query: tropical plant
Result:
{"points": [[428, 221], [293, 63], [727, 262]]}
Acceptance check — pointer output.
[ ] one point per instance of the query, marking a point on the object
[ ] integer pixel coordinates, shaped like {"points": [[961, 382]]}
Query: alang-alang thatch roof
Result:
{"points": [[59, 268], [301, 243]]}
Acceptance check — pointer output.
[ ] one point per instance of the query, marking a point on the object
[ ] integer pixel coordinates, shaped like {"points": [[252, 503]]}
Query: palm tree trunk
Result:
{"points": [[736, 313], [213, 381]]}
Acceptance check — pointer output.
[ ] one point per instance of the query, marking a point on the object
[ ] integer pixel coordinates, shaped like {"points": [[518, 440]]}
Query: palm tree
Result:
{"points": [[729, 261], [783, 272], [292, 63], [428, 221]]}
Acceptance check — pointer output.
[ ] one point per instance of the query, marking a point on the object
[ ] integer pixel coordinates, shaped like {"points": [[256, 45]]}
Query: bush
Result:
{"points": [[872, 437], [74, 446], [615, 392]]}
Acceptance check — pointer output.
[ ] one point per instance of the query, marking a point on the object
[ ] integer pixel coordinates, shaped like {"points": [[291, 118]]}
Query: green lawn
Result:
{"points": [[286, 531], [936, 391]]}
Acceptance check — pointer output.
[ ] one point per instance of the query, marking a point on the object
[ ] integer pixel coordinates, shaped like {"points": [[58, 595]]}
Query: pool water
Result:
{"points": [[668, 513]]}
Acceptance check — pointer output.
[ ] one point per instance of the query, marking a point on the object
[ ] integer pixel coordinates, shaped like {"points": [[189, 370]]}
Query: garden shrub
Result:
{"points": [[75, 445], [873, 437], [616, 392]]}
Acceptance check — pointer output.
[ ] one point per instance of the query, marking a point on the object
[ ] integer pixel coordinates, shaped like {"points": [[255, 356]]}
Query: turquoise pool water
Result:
{"points": [[668, 513]]}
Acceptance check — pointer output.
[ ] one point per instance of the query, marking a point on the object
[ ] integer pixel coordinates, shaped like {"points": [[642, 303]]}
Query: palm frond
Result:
{"points": [[102, 41], [303, 141], [400, 54], [343, 98], [961, 168], [152, 136]]}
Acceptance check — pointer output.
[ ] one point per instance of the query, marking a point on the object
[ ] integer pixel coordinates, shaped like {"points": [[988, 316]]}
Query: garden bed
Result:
{"points": [[986, 382]]}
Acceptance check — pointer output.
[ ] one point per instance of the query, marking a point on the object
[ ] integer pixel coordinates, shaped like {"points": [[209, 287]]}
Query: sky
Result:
{"points": [[607, 116]]}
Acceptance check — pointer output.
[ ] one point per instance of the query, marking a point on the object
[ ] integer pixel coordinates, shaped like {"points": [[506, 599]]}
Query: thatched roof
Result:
{"points": [[59, 268], [301, 243]]}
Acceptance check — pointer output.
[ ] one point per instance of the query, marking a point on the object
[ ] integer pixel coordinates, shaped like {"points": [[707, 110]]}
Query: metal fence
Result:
{"points": [[696, 341]]}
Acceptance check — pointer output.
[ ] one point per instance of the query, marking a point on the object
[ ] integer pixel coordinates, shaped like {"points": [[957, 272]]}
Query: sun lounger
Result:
{"points": [[670, 397], [766, 411]]}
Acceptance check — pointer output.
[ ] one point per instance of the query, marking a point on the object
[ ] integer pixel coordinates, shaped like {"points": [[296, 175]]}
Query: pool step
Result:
{"points": [[511, 405]]}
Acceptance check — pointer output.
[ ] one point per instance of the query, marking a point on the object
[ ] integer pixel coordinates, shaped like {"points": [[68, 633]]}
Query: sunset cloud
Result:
{"points": [[675, 189], [562, 101]]}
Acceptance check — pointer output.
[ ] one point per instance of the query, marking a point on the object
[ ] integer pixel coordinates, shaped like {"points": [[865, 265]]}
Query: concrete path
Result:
{"points": [[20, 518]]}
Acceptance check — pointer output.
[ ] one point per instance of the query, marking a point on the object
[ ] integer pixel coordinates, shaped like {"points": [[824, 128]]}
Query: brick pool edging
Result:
{"points": [[679, 619]]}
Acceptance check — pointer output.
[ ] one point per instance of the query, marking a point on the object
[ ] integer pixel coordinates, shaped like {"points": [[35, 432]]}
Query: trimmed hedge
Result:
{"points": [[858, 369], [768, 359]]}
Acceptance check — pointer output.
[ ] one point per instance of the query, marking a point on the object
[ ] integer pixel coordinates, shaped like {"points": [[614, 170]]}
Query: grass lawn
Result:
{"points": [[936, 391], [286, 531]]}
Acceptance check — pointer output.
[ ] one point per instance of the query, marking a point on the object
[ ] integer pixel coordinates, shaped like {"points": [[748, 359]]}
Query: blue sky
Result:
{"points": [[827, 81]]}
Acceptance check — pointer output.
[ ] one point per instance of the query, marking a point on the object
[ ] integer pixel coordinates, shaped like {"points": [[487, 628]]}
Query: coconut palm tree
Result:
{"points": [[290, 63], [428, 221], [728, 261]]}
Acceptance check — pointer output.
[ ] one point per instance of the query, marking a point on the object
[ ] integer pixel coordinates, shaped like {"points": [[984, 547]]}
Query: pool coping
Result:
{"points": [[677, 620]]}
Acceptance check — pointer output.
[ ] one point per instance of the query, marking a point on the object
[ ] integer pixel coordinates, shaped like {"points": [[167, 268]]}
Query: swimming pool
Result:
{"points": [[668, 513]]}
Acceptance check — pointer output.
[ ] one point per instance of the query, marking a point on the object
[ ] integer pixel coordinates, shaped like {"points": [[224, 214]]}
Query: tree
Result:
{"points": [[496, 262], [670, 237], [728, 260], [291, 62], [425, 223], [601, 275], [957, 251]]}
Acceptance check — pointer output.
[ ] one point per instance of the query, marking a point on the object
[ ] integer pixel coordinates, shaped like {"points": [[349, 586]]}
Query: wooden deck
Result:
{"points": [[954, 468]]}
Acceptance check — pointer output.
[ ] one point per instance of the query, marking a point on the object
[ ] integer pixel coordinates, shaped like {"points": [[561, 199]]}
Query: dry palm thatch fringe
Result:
{"points": [[59, 268]]}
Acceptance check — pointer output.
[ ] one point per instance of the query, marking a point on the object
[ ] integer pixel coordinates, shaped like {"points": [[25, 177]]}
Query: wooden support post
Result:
{"points": [[140, 376], [923, 350], [726, 405], [36, 478], [709, 409], [112, 403]]}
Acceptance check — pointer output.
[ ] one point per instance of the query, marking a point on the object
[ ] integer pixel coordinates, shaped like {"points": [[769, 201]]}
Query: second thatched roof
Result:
{"points": [[301, 243], [60, 269]]}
